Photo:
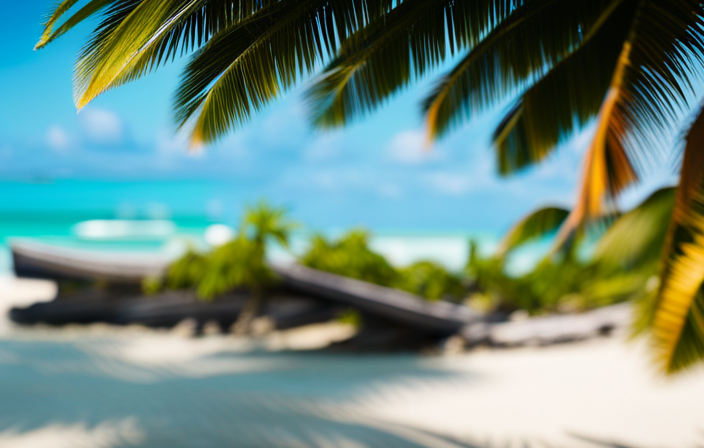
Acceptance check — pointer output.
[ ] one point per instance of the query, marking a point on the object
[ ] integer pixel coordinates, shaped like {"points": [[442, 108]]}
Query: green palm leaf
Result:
{"points": [[247, 65], [412, 38], [637, 237], [87, 11], [567, 97], [531, 40], [677, 313], [644, 96], [536, 225]]}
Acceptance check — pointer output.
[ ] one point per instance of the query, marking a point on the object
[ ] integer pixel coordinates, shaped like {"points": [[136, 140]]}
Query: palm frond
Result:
{"points": [[151, 34], [536, 225], [532, 39], [566, 98], [104, 64], [607, 171], [90, 9], [676, 314], [650, 83], [247, 65], [636, 238], [678, 324], [414, 37]]}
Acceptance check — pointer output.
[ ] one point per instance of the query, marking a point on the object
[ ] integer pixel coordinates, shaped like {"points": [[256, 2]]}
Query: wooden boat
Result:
{"points": [[327, 291], [168, 309]]}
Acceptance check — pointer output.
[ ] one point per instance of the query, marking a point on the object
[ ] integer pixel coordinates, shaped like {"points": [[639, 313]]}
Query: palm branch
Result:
{"points": [[677, 315], [535, 225]]}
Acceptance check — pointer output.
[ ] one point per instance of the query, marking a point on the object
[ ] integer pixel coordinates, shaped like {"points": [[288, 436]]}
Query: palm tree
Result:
{"points": [[628, 65], [243, 262]]}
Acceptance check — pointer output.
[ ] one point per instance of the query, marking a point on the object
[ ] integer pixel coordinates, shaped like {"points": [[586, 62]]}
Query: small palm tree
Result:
{"points": [[246, 259], [630, 65]]}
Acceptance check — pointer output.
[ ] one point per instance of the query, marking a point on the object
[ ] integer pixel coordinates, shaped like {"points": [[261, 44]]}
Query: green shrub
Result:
{"points": [[350, 256], [240, 262], [430, 280], [566, 284], [188, 271]]}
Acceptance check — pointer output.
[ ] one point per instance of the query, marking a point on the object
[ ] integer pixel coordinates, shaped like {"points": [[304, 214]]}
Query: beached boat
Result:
{"points": [[321, 292]]}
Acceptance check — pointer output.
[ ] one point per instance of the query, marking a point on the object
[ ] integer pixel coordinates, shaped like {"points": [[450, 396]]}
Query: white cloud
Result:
{"points": [[409, 148], [101, 126], [57, 139]]}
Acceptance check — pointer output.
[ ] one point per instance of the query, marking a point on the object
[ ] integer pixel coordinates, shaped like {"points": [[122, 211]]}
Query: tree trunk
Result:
{"points": [[248, 313]]}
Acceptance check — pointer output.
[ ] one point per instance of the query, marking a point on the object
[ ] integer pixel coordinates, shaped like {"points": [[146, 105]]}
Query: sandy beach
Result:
{"points": [[98, 386]]}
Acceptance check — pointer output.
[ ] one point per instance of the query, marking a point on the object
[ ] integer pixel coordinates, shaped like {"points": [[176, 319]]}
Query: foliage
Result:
{"points": [[561, 62], [677, 313], [534, 226], [623, 261], [430, 280], [188, 271], [350, 256], [239, 263]]}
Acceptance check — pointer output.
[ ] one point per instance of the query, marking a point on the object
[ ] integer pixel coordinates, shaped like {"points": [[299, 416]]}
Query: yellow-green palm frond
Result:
{"points": [[250, 63], [678, 321], [637, 237], [413, 38], [534, 226], [90, 9], [143, 35], [136, 36], [534, 37], [677, 315], [565, 98]]}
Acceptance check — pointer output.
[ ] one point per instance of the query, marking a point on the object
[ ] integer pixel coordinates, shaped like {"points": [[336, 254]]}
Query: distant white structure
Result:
{"points": [[105, 229], [218, 234]]}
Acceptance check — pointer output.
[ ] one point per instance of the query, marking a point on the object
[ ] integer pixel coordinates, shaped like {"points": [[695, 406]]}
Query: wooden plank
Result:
{"points": [[39, 260], [392, 304]]}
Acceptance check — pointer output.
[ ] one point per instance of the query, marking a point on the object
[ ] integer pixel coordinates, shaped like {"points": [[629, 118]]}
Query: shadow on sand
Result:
{"points": [[112, 393]]}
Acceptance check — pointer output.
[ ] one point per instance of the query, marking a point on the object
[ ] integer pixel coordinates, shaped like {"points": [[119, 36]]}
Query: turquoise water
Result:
{"points": [[49, 211]]}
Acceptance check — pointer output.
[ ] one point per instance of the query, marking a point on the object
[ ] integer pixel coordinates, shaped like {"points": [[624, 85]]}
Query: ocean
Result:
{"points": [[176, 214]]}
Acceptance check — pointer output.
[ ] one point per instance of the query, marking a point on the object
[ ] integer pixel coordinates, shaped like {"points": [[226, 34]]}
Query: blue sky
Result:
{"points": [[375, 172]]}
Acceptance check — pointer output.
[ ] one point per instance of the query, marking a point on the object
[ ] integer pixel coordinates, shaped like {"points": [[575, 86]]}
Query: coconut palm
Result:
{"points": [[243, 262], [627, 65]]}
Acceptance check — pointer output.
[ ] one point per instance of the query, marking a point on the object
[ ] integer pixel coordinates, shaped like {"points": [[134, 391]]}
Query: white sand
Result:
{"points": [[101, 387]]}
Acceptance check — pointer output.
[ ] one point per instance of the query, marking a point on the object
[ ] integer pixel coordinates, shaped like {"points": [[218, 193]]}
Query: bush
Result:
{"points": [[430, 280], [350, 256]]}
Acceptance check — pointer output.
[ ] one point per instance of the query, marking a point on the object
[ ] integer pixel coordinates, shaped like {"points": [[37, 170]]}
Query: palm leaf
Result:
{"points": [[649, 85], [87, 11], [412, 38], [536, 225], [637, 237], [607, 171], [104, 65], [532, 39], [247, 65], [676, 314], [567, 97], [133, 49]]}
